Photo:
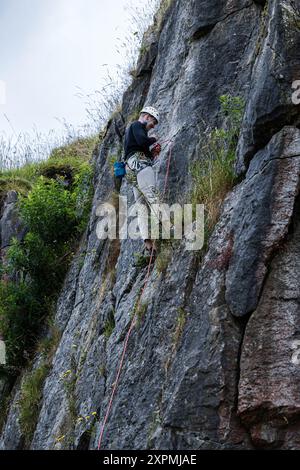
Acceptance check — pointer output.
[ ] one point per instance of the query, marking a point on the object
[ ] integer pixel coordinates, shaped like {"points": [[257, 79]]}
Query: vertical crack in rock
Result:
{"points": [[269, 106], [269, 383], [261, 220]]}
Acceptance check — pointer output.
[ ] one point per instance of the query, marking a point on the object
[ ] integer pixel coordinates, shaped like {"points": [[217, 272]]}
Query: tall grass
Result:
{"points": [[213, 173], [30, 400], [102, 103], [19, 149]]}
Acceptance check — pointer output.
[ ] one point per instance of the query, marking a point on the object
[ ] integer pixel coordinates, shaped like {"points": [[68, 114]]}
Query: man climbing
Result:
{"points": [[139, 172]]}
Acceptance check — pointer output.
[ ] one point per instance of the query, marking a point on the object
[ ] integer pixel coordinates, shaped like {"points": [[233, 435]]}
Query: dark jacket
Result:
{"points": [[137, 140]]}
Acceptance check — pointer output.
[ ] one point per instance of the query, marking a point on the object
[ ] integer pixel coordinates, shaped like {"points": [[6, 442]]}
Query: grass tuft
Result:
{"points": [[30, 399], [213, 175]]}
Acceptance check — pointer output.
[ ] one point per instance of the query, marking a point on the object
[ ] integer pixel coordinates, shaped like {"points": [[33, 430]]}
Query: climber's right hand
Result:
{"points": [[156, 150]]}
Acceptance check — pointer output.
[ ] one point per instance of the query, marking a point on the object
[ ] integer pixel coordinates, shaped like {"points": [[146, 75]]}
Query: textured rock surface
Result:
{"points": [[269, 400], [276, 66], [183, 385], [262, 217], [10, 225]]}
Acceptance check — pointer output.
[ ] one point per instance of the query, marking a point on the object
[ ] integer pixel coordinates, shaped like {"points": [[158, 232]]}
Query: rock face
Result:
{"points": [[270, 374], [262, 217], [214, 361], [10, 224], [275, 67]]}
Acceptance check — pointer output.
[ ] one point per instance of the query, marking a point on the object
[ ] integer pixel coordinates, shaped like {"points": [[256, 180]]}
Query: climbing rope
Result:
{"points": [[115, 384], [123, 354]]}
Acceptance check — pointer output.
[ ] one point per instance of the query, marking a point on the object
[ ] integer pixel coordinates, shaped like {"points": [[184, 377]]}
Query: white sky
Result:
{"points": [[47, 49]]}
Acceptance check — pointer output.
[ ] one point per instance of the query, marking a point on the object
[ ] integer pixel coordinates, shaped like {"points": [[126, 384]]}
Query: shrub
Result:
{"points": [[49, 211], [55, 214], [19, 311]]}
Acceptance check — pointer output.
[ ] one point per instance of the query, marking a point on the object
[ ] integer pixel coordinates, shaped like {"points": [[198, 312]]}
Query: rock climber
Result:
{"points": [[140, 153]]}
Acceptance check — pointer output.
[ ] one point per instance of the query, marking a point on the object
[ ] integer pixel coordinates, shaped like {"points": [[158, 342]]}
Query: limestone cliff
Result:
{"points": [[232, 378]]}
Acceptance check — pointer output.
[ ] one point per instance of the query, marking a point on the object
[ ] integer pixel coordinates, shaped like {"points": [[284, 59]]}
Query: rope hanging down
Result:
{"points": [[115, 384]]}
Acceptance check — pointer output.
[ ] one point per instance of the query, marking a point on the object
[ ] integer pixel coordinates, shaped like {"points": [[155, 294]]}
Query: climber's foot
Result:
{"points": [[149, 246]]}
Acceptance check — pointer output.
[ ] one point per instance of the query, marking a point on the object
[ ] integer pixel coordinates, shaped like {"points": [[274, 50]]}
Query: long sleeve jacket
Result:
{"points": [[137, 140]]}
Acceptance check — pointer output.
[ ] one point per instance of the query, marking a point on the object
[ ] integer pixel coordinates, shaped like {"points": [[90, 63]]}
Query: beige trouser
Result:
{"points": [[145, 195]]}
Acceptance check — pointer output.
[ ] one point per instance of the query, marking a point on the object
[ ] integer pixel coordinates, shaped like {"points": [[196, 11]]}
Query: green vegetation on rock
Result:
{"points": [[213, 174], [54, 207]]}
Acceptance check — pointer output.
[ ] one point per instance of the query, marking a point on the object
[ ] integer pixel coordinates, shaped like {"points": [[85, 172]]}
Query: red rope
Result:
{"points": [[132, 322], [123, 354]]}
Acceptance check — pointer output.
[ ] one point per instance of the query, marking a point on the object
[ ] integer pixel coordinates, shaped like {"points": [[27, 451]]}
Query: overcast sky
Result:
{"points": [[47, 49]]}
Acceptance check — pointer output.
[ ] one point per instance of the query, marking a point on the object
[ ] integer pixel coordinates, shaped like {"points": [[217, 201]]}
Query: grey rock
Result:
{"points": [[275, 67], [208, 13], [179, 386], [268, 388], [262, 217], [10, 223], [11, 436]]}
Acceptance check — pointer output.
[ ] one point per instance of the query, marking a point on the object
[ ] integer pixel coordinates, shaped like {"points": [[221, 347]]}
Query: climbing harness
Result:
{"points": [[139, 163], [133, 321]]}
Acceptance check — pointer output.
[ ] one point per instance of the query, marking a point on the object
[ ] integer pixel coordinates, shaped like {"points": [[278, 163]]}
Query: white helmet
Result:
{"points": [[152, 111]]}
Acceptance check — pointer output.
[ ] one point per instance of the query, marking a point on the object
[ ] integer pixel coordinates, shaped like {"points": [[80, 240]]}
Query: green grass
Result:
{"points": [[26, 173], [30, 400], [140, 260], [17, 183], [55, 214], [109, 326], [164, 257], [64, 161], [69, 379], [81, 148], [140, 313], [213, 174], [181, 321], [32, 384], [177, 334]]}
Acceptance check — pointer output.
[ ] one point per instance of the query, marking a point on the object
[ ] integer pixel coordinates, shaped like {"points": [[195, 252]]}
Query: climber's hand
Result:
{"points": [[156, 150]]}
